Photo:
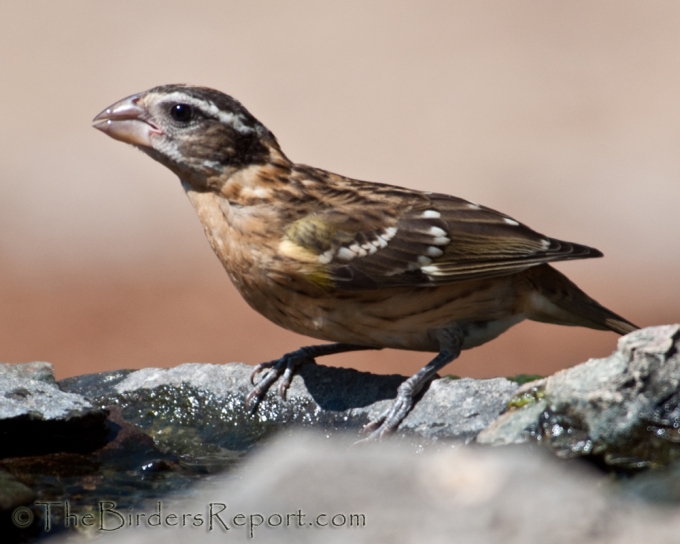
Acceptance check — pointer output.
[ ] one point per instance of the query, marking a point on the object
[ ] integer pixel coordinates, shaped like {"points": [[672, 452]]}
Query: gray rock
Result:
{"points": [[514, 427], [457, 409], [38, 417], [37, 370], [13, 493], [38, 400], [210, 398], [624, 408], [296, 489], [655, 486]]}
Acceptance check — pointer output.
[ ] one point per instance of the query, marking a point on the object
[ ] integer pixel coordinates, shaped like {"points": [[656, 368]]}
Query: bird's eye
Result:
{"points": [[182, 113]]}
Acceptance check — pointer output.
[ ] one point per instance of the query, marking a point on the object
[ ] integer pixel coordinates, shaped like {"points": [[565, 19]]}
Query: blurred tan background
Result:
{"points": [[565, 115]]}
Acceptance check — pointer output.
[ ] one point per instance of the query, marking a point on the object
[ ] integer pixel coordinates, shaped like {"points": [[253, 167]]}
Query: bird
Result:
{"points": [[362, 265]]}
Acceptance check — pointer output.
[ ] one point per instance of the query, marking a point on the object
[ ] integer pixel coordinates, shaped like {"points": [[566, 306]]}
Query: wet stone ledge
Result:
{"points": [[210, 398], [145, 435], [622, 411], [36, 416]]}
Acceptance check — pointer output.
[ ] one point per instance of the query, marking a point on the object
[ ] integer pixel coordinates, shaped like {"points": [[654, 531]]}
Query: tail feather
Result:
{"points": [[556, 299], [618, 324]]}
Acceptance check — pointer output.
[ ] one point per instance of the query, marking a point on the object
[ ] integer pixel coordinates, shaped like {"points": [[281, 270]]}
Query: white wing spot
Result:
{"points": [[382, 242], [434, 252], [474, 206], [358, 250], [436, 231], [424, 261], [432, 269], [326, 257], [389, 233], [441, 240], [346, 254], [545, 244], [511, 222], [431, 214]]}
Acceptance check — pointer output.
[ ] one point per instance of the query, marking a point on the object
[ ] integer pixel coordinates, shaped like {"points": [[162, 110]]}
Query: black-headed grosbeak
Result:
{"points": [[365, 265]]}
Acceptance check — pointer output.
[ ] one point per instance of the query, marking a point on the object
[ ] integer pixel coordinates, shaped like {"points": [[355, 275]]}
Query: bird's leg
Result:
{"points": [[450, 343], [287, 365]]}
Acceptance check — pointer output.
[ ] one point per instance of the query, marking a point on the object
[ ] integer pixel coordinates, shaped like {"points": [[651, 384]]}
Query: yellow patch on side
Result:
{"points": [[314, 274], [299, 253], [320, 277]]}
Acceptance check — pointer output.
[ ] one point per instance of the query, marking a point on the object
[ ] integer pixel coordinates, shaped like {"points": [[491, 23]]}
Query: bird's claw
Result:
{"points": [[260, 390], [260, 367], [388, 421], [286, 365]]}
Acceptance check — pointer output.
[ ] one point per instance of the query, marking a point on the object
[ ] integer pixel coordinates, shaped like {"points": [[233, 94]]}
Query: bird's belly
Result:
{"points": [[399, 318], [478, 333]]}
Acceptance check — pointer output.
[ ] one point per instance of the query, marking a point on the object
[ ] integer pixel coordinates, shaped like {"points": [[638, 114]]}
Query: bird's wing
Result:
{"points": [[433, 239]]}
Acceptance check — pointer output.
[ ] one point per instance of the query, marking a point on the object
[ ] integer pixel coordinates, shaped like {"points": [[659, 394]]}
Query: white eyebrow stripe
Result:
{"points": [[210, 109]]}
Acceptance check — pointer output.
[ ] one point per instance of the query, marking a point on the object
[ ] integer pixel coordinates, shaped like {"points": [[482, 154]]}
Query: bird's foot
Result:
{"points": [[387, 422], [286, 365]]}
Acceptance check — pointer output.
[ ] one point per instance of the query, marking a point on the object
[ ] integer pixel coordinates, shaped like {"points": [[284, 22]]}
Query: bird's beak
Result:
{"points": [[127, 121]]}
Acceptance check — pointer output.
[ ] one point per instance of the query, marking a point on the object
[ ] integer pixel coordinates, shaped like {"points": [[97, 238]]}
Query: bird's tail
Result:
{"points": [[556, 299]]}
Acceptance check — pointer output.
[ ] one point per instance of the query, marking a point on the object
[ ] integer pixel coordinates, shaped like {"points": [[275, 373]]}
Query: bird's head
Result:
{"points": [[199, 133]]}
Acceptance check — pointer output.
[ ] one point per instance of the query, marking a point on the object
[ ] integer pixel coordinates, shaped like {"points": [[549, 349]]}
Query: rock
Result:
{"points": [[37, 417], [204, 403], [312, 489], [456, 409], [170, 427], [655, 486], [129, 468], [13, 493], [624, 409], [514, 427], [37, 370], [15, 498]]}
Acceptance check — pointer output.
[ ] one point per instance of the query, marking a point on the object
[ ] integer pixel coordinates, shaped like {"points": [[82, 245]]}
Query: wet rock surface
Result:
{"points": [[134, 438], [168, 428], [209, 399], [36, 416], [623, 410], [312, 489], [129, 469]]}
